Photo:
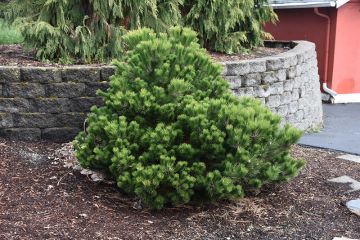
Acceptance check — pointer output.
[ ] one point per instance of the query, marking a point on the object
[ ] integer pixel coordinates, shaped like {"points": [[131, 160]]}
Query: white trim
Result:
{"points": [[339, 3], [303, 5], [300, 4], [347, 98]]}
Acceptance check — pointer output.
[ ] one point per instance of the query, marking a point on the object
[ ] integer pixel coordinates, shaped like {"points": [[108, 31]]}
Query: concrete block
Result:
{"points": [[13, 105], [35, 120], [81, 74], [235, 82], [40, 74], [237, 68], [23, 134], [252, 79], [65, 90], [24, 90], [84, 104], [9, 74], [59, 134]]}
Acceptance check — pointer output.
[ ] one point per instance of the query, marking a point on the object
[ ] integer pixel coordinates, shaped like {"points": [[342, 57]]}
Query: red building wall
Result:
{"points": [[302, 24], [345, 66], [343, 73]]}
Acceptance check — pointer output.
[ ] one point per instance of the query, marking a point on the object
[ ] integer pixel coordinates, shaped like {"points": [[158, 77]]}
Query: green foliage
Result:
{"points": [[8, 34], [86, 30], [90, 30], [229, 26], [171, 131]]}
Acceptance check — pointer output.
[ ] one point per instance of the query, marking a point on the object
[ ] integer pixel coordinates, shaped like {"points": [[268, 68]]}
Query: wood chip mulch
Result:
{"points": [[42, 199], [15, 55]]}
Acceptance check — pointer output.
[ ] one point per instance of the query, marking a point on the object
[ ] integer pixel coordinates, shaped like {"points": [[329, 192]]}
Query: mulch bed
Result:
{"points": [[42, 199], [15, 55]]}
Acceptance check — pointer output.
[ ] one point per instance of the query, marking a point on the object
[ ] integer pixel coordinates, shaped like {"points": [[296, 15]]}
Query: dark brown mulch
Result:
{"points": [[15, 55], [42, 199], [255, 53]]}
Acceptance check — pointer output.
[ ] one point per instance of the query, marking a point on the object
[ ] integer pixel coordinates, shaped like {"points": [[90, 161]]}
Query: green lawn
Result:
{"points": [[9, 35]]}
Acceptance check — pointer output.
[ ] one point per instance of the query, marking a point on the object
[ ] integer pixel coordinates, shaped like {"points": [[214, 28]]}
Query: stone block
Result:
{"points": [[13, 105], [257, 65], [282, 110], [23, 134], [59, 134], [262, 91], [293, 60], [81, 74], [65, 90], [40, 74], [302, 91], [91, 88], [290, 118], [293, 107], [35, 120], [300, 58], [106, 72], [9, 74], [277, 88], [276, 63], [268, 77], [273, 101], [286, 97], [52, 105], [299, 69], [84, 104], [6, 120], [281, 75], [302, 103], [245, 92], [289, 85], [237, 68], [72, 120], [252, 79], [235, 82], [299, 115], [298, 81], [24, 90], [295, 94], [291, 72]]}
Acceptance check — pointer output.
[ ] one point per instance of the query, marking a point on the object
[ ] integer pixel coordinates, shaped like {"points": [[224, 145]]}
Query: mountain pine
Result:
{"points": [[171, 131]]}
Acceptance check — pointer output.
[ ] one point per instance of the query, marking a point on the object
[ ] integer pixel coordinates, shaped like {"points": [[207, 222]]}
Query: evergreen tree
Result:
{"points": [[171, 131], [86, 30], [229, 26]]}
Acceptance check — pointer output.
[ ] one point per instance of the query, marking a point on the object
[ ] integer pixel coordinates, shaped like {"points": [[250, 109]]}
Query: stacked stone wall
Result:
{"points": [[51, 103], [287, 83]]}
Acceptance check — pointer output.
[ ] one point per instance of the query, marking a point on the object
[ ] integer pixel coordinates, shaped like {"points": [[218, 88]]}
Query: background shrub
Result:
{"points": [[91, 30], [171, 131], [229, 26], [86, 30], [9, 34]]}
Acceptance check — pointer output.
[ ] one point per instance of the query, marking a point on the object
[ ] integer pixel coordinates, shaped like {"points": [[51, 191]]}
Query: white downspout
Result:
{"points": [[324, 85]]}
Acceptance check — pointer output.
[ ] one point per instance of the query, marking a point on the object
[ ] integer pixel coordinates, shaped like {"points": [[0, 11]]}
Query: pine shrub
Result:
{"points": [[229, 26], [171, 131]]}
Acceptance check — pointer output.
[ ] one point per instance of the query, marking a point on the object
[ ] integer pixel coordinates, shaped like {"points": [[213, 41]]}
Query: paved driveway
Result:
{"points": [[341, 130]]}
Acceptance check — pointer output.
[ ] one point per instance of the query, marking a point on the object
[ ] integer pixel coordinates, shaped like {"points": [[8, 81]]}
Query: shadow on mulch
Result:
{"points": [[42, 199]]}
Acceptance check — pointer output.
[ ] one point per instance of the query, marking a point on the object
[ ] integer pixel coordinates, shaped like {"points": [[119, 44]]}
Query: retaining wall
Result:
{"points": [[287, 83], [50, 103]]}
